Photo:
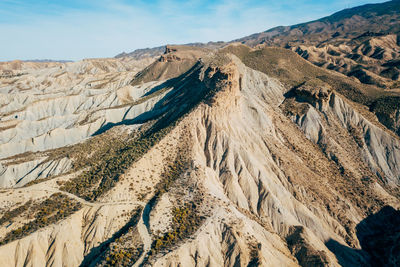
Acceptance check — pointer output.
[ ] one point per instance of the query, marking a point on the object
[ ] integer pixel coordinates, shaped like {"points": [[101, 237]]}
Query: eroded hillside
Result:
{"points": [[236, 157], [361, 42]]}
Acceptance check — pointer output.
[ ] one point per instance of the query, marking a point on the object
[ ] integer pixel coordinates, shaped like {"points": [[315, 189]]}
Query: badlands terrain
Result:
{"points": [[361, 42], [201, 155]]}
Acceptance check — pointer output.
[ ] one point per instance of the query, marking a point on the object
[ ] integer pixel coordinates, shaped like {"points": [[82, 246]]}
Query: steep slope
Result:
{"points": [[361, 42], [290, 69], [234, 164], [159, 50], [46, 106], [173, 62]]}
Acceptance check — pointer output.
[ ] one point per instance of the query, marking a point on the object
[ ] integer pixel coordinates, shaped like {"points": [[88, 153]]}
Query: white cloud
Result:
{"points": [[116, 26]]}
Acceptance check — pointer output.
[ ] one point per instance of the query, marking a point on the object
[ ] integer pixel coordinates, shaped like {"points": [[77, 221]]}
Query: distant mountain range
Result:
{"points": [[159, 50], [217, 154], [361, 42], [367, 20], [48, 60]]}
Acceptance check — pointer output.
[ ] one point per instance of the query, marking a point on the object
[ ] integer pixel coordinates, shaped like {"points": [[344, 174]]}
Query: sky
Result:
{"points": [[73, 29]]}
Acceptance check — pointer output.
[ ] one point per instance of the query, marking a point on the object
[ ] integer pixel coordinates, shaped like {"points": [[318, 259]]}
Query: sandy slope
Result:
{"points": [[251, 172]]}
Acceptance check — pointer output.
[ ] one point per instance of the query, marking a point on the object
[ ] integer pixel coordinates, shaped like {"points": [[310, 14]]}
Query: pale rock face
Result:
{"points": [[219, 244], [275, 181], [240, 169], [80, 99], [29, 171], [381, 150], [66, 243], [57, 122]]}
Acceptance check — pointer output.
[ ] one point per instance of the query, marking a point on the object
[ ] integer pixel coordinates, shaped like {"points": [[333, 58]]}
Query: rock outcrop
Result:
{"points": [[224, 164]]}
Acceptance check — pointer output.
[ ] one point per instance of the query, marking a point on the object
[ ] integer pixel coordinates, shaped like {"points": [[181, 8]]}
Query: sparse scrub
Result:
{"points": [[357, 135], [186, 217], [123, 249], [173, 171], [11, 214], [185, 222], [52, 210], [123, 256], [103, 176]]}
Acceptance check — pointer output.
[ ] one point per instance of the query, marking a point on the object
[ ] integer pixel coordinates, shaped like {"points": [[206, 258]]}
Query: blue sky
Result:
{"points": [[72, 29]]}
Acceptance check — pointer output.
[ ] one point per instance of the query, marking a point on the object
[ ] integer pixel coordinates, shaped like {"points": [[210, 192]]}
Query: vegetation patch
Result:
{"points": [[11, 214], [186, 216], [51, 210], [122, 256], [185, 222], [172, 172], [122, 249], [255, 259], [99, 179], [385, 109], [81, 155]]}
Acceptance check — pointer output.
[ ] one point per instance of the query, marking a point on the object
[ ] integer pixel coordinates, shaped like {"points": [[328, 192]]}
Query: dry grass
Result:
{"points": [[51, 210]]}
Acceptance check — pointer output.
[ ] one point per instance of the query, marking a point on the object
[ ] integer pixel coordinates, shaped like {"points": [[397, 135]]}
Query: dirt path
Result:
{"points": [[143, 227], [87, 203]]}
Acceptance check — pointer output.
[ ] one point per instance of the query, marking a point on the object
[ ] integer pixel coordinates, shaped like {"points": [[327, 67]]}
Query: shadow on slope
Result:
{"points": [[293, 70], [160, 107], [96, 252], [144, 117], [379, 236], [175, 61], [188, 90]]}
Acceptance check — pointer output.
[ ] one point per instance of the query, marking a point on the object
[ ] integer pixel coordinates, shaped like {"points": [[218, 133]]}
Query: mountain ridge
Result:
{"points": [[216, 153], [201, 156], [340, 29]]}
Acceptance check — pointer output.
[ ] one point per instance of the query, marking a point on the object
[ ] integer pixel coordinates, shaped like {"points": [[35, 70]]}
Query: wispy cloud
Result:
{"points": [[103, 28]]}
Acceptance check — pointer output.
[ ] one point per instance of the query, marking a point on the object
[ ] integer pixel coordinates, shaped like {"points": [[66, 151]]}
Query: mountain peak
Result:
{"points": [[281, 149]]}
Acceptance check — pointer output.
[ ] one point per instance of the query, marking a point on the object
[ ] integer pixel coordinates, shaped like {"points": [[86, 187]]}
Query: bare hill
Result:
{"points": [[247, 157], [361, 42]]}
